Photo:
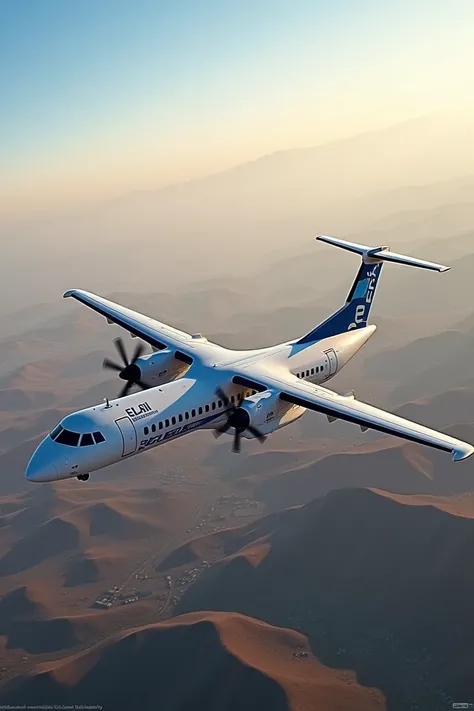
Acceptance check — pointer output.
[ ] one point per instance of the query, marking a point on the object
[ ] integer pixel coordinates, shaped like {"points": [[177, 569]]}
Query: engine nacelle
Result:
{"points": [[163, 367], [269, 413]]}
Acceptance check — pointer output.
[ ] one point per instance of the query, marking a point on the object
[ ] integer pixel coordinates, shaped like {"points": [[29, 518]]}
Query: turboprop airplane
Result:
{"points": [[188, 383]]}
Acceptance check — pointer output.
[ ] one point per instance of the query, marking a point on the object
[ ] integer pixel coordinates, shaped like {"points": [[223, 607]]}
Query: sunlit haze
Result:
{"points": [[102, 98]]}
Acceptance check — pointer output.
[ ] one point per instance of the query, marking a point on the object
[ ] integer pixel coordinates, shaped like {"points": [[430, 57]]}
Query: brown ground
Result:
{"points": [[247, 664], [79, 541], [373, 579]]}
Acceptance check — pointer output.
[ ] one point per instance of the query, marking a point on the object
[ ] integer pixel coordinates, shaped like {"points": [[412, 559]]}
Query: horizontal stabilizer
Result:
{"points": [[374, 255]]}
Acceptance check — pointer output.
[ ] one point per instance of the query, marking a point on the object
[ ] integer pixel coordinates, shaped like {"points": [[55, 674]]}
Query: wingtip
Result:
{"points": [[462, 452]]}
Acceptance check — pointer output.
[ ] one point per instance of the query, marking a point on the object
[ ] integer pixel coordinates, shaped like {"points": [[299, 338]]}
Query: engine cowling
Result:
{"points": [[162, 367], [269, 413]]}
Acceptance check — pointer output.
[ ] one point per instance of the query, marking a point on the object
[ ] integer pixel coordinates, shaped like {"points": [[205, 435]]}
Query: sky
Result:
{"points": [[103, 97]]}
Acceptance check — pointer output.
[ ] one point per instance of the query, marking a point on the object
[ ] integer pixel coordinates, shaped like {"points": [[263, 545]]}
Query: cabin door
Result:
{"points": [[129, 435], [332, 360]]}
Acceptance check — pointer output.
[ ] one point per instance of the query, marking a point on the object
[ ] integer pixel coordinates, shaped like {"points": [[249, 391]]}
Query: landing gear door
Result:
{"points": [[129, 435], [332, 360]]}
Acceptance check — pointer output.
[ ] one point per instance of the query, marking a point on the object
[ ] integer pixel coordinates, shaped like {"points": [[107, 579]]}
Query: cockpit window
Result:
{"points": [[69, 438], [56, 431]]}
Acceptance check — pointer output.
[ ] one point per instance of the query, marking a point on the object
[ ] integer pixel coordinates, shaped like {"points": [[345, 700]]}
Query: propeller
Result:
{"points": [[129, 371], [239, 419]]}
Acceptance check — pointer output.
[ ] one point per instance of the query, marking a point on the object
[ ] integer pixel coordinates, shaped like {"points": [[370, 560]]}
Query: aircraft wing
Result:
{"points": [[319, 399], [157, 334]]}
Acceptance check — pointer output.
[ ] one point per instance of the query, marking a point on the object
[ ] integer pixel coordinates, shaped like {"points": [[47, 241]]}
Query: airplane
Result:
{"points": [[188, 383]]}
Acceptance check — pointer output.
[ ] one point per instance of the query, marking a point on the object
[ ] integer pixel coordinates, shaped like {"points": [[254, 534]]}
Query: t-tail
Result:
{"points": [[355, 312]]}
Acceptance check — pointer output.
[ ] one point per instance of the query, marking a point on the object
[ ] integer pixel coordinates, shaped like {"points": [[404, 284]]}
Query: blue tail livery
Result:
{"points": [[356, 310]]}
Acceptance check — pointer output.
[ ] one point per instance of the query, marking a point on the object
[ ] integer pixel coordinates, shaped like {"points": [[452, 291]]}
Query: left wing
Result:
{"points": [[319, 399], [157, 334]]}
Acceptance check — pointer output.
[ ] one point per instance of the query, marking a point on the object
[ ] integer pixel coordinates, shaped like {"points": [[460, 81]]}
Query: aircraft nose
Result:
{"points": [[41, 467]]}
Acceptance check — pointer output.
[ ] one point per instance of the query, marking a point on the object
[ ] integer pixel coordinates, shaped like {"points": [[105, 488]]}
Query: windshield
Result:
{"points": [[73, 439], [67, 437]]}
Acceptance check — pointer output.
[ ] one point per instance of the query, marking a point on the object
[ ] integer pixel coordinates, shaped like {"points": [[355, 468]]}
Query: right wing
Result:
{"points": [[334, 406]]}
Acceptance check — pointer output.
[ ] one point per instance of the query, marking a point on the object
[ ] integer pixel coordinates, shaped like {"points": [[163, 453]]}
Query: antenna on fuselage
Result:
{"points": [[107, 403]]}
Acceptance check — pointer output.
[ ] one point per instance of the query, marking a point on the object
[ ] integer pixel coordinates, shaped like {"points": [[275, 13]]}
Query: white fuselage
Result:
{"points": [[98, 436]]}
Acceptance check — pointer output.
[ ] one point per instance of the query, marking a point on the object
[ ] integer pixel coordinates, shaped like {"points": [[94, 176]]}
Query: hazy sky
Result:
{"points": [[99, 97]]}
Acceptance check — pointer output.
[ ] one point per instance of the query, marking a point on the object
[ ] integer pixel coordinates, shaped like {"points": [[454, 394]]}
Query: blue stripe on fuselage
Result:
{"points": [[175, 431]]}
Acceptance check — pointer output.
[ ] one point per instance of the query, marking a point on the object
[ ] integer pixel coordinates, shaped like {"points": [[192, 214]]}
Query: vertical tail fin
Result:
{"points": [[355, 312]]}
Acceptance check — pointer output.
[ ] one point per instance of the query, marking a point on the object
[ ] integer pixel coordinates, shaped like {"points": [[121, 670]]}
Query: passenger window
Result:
{"points": [[193, 413], [312, 371], [207, 408], [145, 430], [173, 420], [160, 425], [99, 437], [200, 410], [86, 440], [219, 403], [213, 405], [186, 415], [180, 417], [153, 428], [71, 439], [167, 423], [232, 398]]}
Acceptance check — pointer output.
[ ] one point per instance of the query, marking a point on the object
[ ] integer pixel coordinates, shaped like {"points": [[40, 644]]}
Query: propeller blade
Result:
{"points": [[256, 433], [222, 429], [138, 351], [221, 394], [236, 445], [142, 385], [108, 364], [126, 389], [121, 349], [235, 422]]}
